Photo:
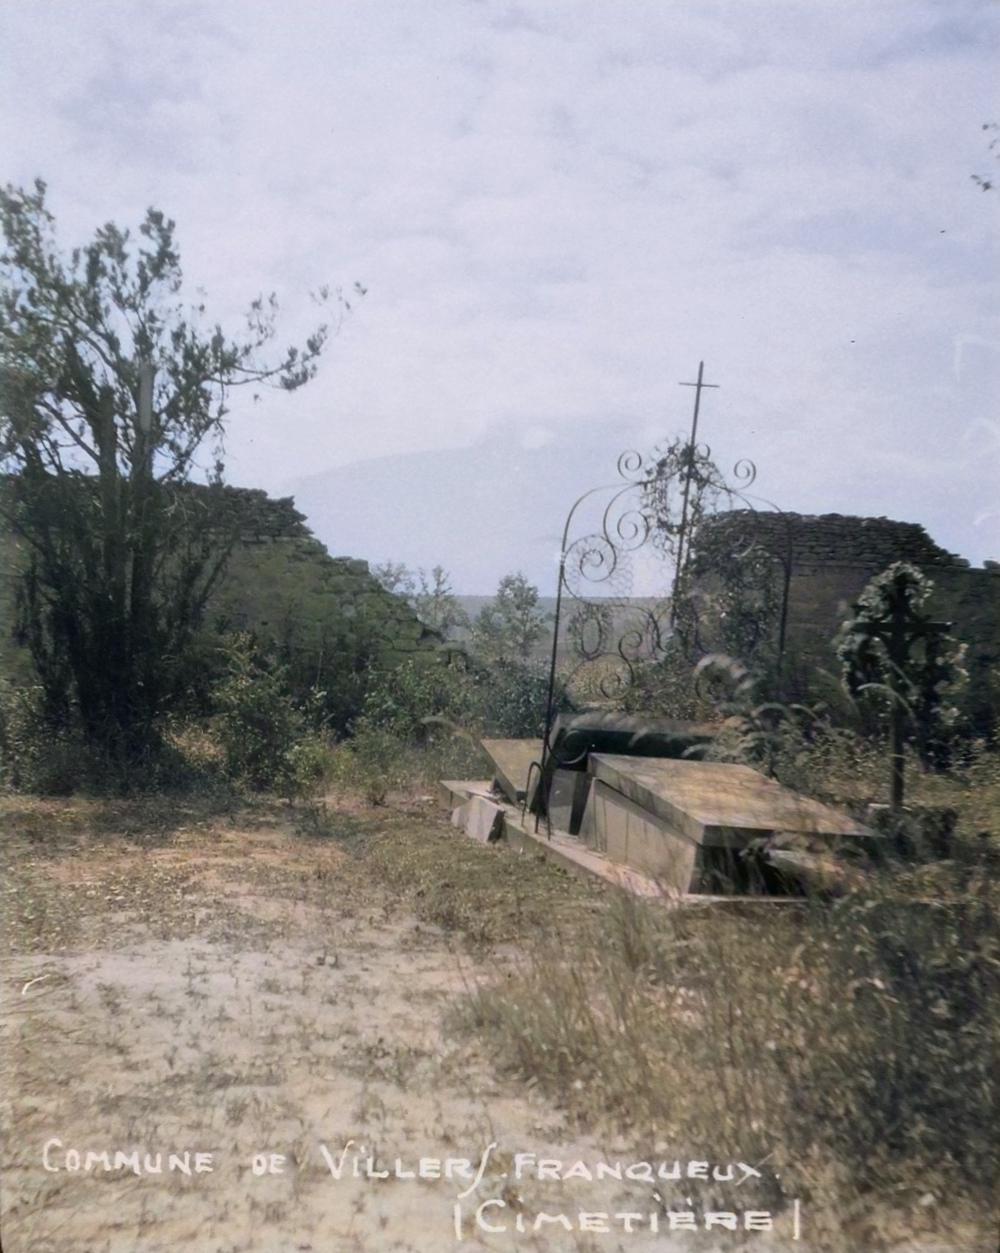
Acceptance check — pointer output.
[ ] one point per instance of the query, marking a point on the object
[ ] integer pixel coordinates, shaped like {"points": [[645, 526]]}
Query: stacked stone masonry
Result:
{"points": [[279, 572], [280, 580], [832, 557]]}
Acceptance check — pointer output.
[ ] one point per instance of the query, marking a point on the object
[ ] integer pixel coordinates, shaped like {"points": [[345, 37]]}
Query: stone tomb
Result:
{"points": [[689, 824], [661, 825], [512, 760], [564, 788]]}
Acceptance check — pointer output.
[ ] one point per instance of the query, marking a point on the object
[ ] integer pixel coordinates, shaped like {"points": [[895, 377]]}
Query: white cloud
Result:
{"points": [[558, 210]]}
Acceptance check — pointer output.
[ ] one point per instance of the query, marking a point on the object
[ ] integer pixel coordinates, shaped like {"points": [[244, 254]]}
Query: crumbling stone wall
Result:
{"points": [[835, 539], [833, 556], [280, 582]]}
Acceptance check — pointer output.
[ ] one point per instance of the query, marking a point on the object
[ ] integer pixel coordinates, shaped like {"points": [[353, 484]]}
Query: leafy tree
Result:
{"points": [[395, 577], [430, 595], [435, 602], [110, 389], [414, 701], [510, 626], [894, 655], [268, 739]]}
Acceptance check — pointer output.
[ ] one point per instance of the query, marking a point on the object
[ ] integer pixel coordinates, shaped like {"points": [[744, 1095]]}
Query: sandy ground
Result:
{"points": [[240, 992], [241, 989]]}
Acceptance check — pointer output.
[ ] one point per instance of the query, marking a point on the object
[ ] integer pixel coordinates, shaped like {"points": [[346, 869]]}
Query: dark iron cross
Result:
{"points": [[682, 530], [699, 386]]}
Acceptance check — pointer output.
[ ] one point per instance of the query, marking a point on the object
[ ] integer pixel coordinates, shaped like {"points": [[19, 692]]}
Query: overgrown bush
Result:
{"points": [[307, 764], [510, 700], [377, 761], [821, 751], [34, 755], [422, 721], [669, 687], [980, 702], [399, 700], [266, 738], [49, 758], [892, 1056], [804, 749], [507, 700], [373, 763]]}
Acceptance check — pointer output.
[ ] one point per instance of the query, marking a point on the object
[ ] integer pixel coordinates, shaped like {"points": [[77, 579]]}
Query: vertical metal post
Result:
{"points": [[682, 531], [550, 699]]}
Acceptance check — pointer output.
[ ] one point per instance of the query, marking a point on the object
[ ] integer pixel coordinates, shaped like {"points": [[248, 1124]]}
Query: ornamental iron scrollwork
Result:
{"points": [[659, 506]]}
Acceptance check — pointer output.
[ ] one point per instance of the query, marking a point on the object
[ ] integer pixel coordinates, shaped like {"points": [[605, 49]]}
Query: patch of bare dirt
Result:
{"points": [[231, 988]]}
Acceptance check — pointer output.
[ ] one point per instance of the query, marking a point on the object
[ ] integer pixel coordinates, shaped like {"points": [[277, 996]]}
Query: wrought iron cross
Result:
{"points": [[698, 386], [682, 531]]}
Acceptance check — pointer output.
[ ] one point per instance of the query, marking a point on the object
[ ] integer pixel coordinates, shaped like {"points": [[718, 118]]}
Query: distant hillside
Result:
{"points": [[483, 511]]}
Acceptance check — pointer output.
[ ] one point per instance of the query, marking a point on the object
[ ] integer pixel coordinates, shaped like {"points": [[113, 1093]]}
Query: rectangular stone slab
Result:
{"points": [[718, 803], [629, 834], [452, 792], [511, 762], [480, 818]]}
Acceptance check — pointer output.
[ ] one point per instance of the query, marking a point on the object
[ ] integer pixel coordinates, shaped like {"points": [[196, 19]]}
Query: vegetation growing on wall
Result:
{"points": [[111, 389]]}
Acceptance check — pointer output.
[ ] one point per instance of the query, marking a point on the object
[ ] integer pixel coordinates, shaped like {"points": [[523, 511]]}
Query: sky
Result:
{"points": [[557, 209]]}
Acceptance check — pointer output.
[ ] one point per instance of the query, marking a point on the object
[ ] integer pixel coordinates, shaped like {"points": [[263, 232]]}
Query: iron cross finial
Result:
{"points": [[699, 385], [689, 471]]}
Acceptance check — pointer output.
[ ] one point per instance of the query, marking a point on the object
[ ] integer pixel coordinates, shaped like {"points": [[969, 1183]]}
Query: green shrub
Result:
{"points": [[307, 765], [398, 700], [34, 755], [377, 755], [668, 687], [507, 700], [510, 700], [376, 761], [41, 756], [266, 738]]}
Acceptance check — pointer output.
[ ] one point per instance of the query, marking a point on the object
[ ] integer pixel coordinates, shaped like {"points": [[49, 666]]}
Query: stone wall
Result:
{"points": [[295, 592], [835, 539], [281, 583], [832, 557]]}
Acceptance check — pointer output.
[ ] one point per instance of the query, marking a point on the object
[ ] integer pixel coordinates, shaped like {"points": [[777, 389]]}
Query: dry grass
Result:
{"points": [[182, 976], [488, 895], [849, 1047]]}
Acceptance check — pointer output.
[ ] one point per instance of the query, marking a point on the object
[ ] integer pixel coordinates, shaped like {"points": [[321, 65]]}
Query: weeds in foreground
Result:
{"points": [[850, 1044], [376, 762], [487, 895]]}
